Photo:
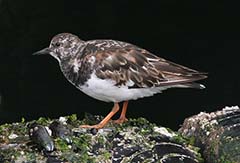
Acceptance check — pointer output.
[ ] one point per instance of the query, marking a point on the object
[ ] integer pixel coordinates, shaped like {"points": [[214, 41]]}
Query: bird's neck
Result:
{"points": [[76, 73], [67, 67], [75, 69]]}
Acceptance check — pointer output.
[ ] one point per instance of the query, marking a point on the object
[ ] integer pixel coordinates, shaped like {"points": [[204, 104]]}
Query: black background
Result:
{"points": [[203, 35]]}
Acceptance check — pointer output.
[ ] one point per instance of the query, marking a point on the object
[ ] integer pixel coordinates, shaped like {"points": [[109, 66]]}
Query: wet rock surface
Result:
{"points": [[61, 140], [216, 133]]}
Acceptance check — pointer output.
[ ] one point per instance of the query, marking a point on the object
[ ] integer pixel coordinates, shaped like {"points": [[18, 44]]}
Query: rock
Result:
{"points": [[216, 133], [40, 136], [134, 141], [60, 130]]}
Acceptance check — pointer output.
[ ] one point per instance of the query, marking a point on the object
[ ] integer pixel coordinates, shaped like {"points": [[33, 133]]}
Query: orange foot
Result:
{"points": [[120, 120], [123, 114], [105, 120], [110, 115]]}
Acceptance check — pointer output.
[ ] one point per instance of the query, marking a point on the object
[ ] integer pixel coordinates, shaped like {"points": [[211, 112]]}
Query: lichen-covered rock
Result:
{"points": [[134, 141], [217, 133]]}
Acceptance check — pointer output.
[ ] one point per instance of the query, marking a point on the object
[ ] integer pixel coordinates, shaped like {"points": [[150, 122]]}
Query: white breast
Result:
{"points": [[105, 90]]}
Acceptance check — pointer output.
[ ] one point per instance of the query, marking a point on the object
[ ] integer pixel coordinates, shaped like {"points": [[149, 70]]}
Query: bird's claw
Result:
{"points": [[120, 120]]}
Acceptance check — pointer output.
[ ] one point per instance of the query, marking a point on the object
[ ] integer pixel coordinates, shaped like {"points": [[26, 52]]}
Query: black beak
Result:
{"points": [[43, 51]]}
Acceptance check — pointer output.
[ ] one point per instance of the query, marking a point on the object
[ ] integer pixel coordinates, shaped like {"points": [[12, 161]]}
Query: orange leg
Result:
{"points": [[105, 120], [122, 117]]}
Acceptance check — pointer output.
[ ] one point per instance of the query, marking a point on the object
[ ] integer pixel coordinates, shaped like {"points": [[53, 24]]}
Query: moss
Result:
{"points": [[101, 140], [19, 128], [4, 128], [82, 141], [43, 121], [10, 154], [139, 122], [107, 155], [192, 140], [84, 157], [22, 120], [72, 157], [61, 145], [179, 139], [225, 160], [31, 156], [189, 142], [72, 117]]}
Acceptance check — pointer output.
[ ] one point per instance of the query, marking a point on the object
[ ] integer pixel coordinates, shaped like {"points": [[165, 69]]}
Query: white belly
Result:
{"points": [[105, 90]]}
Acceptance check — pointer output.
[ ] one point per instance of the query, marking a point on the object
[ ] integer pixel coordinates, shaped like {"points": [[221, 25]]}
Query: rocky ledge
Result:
{"points": [[60, 140], [215, 135]]}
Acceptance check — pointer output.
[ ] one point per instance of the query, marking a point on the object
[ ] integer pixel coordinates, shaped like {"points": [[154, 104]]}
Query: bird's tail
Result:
{"points": [[193, 85]]}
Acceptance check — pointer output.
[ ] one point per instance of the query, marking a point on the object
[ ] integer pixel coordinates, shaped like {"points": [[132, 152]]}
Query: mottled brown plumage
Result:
{"points": [[143, 68]]}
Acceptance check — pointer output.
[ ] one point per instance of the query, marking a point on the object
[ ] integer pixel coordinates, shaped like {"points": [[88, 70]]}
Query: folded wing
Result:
{"points": [[138, 68]]}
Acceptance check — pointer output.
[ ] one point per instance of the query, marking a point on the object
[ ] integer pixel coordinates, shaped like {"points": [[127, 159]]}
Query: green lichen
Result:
{"points": [[61, 145], [179, 139], [22, 120], [31, 156], [10, 154], [189, 142], [225, 160], [107, 155], [82, 142], [72, 117], [192, 140], [43, 121], [75, 157]]}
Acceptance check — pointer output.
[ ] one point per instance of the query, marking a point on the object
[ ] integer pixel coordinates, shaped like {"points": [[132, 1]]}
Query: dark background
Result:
{"points": [[198, 34]]}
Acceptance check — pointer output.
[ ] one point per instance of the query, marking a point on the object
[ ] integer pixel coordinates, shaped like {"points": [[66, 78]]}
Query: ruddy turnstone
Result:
{"points": [[116, 71]]}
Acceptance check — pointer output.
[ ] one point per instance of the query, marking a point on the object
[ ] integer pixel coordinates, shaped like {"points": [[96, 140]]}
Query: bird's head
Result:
{"points": [[62, 45]]}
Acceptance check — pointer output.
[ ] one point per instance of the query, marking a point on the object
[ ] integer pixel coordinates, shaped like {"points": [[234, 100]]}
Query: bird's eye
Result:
{"points": [[57, 44]]}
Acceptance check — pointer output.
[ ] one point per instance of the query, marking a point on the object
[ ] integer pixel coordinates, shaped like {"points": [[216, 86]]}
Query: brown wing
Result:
{"points": [[138, 68]]}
